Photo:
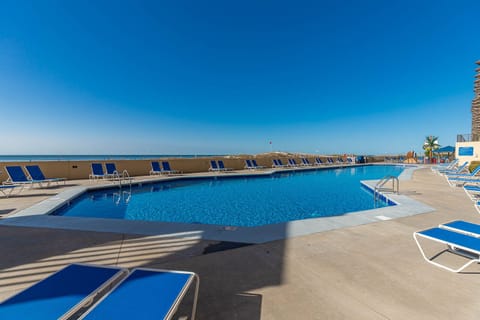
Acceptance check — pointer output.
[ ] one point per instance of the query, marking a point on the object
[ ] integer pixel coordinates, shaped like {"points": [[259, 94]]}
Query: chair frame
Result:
{"points": [[249, 165], [292, 163], [176, 304], [457, 170], [474, 195], [255, 165], [95, 176], [452, 247], [10, 187], [221, 166], [318, 162], [23, 183], [444, 166], [214, 166], [28, 168], [166, 169], [111, 170], [153, 171], [305, 162]]}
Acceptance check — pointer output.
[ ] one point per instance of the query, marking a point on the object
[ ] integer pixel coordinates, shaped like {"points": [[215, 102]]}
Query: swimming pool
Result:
{"points": [[237, 201]]}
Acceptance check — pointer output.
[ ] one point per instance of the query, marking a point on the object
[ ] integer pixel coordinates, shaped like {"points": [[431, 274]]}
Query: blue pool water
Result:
{"points": [[242, 201]]}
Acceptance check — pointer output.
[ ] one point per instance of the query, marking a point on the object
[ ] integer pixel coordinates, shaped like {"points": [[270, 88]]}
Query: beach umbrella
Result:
{"points": [[446, 149]]}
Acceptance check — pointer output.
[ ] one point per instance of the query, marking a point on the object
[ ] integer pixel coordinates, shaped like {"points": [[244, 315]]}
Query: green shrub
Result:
{"points": [[473, 165]]}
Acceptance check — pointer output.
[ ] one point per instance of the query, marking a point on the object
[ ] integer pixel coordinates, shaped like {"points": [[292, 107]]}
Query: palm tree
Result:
{"points": [[430, 144]]}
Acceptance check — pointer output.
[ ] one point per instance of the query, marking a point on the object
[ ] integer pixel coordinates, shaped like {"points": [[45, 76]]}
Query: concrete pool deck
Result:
{"points": [[370, 271]]}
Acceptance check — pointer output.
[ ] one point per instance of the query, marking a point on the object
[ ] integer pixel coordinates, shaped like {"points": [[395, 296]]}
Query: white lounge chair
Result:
{"points": [[460, 238]]}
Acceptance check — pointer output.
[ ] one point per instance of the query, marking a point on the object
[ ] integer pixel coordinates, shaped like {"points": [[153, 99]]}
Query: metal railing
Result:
{"points": [[123, 195], [381, 187], [467, 137]]}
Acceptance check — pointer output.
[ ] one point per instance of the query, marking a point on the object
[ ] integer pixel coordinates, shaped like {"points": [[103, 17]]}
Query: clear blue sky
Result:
{"points": [[193, 77]]}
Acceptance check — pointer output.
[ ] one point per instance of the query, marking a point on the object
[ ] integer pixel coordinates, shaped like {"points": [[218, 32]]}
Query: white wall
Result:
{"points": [[472, 144]]}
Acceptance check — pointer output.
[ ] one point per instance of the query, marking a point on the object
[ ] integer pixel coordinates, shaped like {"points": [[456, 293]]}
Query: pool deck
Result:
{"points": [[368, 271]]}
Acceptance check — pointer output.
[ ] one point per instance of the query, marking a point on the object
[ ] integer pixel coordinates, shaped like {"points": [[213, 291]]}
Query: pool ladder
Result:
{"points": [[381, 187], [122, 179]]}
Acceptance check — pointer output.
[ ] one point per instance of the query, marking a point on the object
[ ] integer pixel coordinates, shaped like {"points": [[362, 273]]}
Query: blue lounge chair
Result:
{"points": [[213, 166], [458, 242], [463, 175], [277, 163], [477, 205], [111, 169], [305, 162], [318, 162], [114, 174], [97, 172], [155, 168], [472, 191], [463, 178], [460, 169], [445, 166], [35, 173], [248, 164], [222, 167], [146, 294], [166, 168], [255, 165], [292, 163], [62, 294], [17, 176], [461, 226], [281, 163]]}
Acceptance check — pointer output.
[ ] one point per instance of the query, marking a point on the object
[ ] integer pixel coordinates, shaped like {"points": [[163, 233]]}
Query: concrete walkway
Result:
{"points": [[372, 271]]}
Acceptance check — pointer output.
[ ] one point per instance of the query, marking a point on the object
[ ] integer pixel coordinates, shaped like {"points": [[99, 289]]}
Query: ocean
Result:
{"points": [[77, 157]]}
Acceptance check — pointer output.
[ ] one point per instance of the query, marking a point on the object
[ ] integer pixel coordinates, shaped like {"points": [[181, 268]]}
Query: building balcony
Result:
{"points": [[467, 137]]}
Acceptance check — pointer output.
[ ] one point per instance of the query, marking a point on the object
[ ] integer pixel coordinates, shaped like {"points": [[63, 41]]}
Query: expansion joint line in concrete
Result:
{"points": [[120, 249]]}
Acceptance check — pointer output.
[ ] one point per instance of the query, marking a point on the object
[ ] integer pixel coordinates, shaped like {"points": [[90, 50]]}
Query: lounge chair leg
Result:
{"points": [[197, 286]]}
